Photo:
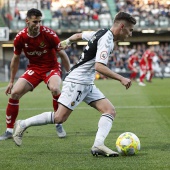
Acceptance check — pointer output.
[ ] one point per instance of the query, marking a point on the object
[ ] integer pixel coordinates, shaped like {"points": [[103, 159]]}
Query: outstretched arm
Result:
{"points": [[101, 68], [74, 38], [65, 60], [13, 70]]}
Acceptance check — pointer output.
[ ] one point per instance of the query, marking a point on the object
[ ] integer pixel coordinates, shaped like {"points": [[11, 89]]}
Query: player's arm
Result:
{"points": [[65, 60], [103, 69], [13, 70], [74, 38]]}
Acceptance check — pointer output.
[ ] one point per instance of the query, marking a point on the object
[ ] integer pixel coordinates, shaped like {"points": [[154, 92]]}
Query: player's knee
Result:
{"points": [[111, 111], [15, 95], [55, 90], [59, 119]]}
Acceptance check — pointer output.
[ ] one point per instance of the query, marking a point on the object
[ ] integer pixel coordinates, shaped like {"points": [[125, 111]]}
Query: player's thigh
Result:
{"points": [[96, 99], [54, 84], [53, 80], [104, 106], [20, 88], [72, 94]]}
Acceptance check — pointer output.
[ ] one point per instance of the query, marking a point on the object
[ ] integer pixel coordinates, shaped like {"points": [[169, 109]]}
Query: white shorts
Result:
{"points": [[73, 94]]}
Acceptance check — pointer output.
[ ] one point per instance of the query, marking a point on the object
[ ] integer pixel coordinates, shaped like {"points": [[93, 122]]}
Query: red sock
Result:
{"points": [[151, 75], [133, 75], [142, 77], [12, 112], [55, 102]]}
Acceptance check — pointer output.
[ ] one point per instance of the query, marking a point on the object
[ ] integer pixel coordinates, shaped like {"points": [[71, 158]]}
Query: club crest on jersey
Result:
{"points": [[103, 55], [26, 45], [73, 103], [42, 45]]}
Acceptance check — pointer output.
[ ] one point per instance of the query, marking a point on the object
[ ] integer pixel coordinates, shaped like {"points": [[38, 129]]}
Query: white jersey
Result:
{"points": [[100, 45]]}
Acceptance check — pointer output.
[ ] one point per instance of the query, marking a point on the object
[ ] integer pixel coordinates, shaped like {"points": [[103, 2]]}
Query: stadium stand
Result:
{"points": [[68, 17]]}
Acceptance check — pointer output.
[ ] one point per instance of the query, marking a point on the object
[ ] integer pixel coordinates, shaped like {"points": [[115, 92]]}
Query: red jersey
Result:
{"points": [[40, 50], [132, 59], [149, 56]]}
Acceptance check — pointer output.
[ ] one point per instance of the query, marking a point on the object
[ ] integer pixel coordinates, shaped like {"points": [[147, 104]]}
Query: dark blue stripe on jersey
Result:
{"points": [[91, 52]]}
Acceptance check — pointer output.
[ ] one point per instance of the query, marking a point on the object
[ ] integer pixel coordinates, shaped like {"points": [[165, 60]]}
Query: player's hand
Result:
{"points": [[64, 44], [126, 82], [9, 88]]}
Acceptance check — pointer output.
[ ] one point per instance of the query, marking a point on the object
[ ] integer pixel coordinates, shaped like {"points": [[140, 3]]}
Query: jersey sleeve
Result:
{"points": [[104, 48], [87, 35], [17, 45]]}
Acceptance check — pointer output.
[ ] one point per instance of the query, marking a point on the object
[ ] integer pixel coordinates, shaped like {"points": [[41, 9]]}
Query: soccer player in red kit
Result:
{"points": [[40, 45], [131, 61], [146, 65]]}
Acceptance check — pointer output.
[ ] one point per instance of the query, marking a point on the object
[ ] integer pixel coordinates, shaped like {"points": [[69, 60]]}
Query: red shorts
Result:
{"points": [[34, 77], [144, 68]]}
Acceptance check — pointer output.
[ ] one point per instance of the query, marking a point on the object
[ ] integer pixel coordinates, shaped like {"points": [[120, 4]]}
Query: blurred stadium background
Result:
{"points": [[67, 17]]}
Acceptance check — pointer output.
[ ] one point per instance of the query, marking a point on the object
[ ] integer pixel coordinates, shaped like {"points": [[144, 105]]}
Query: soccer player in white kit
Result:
{"points": [[79, 85]]}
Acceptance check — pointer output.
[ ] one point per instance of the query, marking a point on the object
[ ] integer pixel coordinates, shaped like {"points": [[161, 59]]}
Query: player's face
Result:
{"points": [[126, 31], [33, 24]]}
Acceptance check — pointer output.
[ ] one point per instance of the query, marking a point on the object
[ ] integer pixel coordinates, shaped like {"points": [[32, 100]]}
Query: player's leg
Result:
{"points": [[134, 73], [131, 70], [97, 100], [143, 72], [27, 82], [151, 74], [54, 83], [104, 127], [20, 88], [64, 110], [45, 118]]}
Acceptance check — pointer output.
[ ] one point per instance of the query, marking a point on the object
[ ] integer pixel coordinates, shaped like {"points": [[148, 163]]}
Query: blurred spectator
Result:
{"points": [[95, 16], [17, 14], [149, 12], [96, 6]]}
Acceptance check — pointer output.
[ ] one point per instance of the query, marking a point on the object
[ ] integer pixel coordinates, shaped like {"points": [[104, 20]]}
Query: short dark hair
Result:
{"points": [[125, 16], [34, 12]]}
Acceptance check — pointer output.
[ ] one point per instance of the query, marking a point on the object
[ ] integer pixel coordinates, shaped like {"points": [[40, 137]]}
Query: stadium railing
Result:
{"points": [[56, 23]]}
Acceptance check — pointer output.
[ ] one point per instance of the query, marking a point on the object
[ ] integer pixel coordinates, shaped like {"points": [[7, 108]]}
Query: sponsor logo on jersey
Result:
{"points": [[39, 53], [73, 103], [103, 55], [26, 45], [42, 45]]}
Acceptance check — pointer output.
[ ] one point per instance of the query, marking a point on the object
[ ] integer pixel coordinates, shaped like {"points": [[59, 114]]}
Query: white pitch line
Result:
{"points": [[81, 108]]}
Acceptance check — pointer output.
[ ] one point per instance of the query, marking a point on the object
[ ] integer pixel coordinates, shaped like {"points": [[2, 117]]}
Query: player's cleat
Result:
{"points": [[142, 84], [104, 151], [6, 135], [60, 131], [18, 133]]}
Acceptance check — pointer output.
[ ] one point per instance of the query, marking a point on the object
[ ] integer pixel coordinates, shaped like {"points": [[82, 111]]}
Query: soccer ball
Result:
{"points": [[128, 144]]}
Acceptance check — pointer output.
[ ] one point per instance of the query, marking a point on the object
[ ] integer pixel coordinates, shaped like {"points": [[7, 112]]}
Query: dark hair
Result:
{"points": [[34, 12], [125, 16]]}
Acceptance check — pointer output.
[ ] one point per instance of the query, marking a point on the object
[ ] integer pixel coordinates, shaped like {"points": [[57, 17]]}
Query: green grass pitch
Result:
{"points": [[144, 111]]}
